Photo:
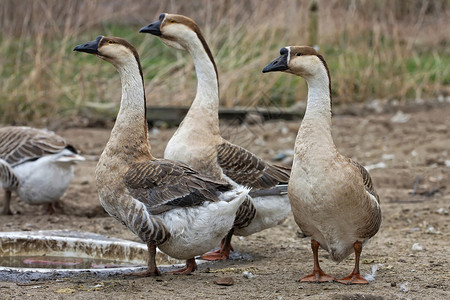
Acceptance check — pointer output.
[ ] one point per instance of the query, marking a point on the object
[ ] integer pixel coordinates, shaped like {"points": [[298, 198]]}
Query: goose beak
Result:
{"points": [[153, 28], [89, 47], [279, 64]]}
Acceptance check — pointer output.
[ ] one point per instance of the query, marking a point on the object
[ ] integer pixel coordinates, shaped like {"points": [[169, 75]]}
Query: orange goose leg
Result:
{"points": [[191, 266], [152, 270], [6, 209], [50, 209], [317, 275], [355, 276], [223, 252]]}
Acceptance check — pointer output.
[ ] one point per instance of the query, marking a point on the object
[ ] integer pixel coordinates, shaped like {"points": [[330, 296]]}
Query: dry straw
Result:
{"points": [[375, 49]]}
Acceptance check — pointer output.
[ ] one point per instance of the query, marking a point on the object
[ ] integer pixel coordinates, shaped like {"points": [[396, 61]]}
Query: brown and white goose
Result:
{"points": [[165, 203], [332, 197], [198, 141], [35, 163]]}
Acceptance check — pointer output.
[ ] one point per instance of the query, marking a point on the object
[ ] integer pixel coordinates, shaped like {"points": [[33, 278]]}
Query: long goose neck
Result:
{"points": [[318, 109], [129, 134], [206, 101]]}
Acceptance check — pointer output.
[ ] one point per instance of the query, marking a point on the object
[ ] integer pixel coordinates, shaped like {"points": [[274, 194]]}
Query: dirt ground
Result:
{"points": [[407, 149]]}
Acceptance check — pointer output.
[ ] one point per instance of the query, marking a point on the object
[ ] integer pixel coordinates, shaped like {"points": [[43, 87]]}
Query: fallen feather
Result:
{"points": [[432, 230], [247, 274], [404, 287], [400, 117], [388, 156], [371, 276], [416, 247], [442, 211], [380, 165]]}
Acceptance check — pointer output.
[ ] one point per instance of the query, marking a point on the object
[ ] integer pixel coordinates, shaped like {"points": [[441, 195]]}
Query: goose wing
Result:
{"points": [[163, 185], [8, 180], [367, 180], [247, 169], [20, 144], [370, 225]]}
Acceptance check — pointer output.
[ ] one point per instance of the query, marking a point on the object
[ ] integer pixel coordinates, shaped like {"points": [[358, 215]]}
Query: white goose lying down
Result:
{"points": [[37, 164], [165, 203], [198, 142], [332, 197]]}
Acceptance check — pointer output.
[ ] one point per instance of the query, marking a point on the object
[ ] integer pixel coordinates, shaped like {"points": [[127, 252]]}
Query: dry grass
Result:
{"points": [[375, 49]]}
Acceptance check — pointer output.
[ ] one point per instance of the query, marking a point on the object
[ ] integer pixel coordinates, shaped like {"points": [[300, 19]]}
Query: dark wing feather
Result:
{"points": [[20, 144], [367, 180], [162, 185], [246, 169], [373, 221]]}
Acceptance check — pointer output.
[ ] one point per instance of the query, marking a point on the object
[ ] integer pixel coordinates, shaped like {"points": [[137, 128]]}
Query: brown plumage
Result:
{"points": [[198, 141], [19, 144], [167, 204], [162, 185], [35, 163], [332, 197], [246, 169]]}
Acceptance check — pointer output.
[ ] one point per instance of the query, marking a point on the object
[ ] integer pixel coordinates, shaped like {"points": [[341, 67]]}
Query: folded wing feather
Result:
{"points": [[246, 169], [163, 185]]}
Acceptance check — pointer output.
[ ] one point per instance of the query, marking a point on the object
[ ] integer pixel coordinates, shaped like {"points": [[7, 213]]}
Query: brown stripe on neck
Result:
{"points": [[329, 77], [208, 51], [194, 27], [138, 61]]}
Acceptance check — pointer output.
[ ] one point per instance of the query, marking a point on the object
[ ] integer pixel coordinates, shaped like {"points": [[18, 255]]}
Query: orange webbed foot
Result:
{"points": [[317, 277], [190, 267], [353, 279], [215, 255], [222, 253]]}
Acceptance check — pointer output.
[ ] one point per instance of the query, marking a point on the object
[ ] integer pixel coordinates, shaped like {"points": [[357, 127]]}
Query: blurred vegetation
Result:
{"points": [[375, 49]]}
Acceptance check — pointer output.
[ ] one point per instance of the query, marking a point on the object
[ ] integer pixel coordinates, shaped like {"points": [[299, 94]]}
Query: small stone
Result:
{"points": [[393, 284], [226, 281]]}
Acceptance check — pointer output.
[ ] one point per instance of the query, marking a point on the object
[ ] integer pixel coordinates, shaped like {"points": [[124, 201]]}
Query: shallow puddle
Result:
{"points": [[61, 262]]}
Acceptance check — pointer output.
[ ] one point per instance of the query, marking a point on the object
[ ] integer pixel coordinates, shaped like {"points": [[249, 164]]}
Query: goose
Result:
{"points": [[332, 197], [198, 142], [35, 163], [167, 204]]}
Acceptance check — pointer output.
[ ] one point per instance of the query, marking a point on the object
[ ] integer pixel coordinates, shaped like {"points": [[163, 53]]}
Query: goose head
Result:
{"points": [[115, 50], [176, 31], [303, 61]]}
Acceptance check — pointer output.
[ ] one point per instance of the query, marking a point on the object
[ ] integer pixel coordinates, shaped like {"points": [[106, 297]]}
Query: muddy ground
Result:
{"points": [[407, 149]]}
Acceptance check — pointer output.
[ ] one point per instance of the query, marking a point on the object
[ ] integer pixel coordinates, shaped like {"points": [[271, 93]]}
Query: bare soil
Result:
{"points": [[410, 252]]}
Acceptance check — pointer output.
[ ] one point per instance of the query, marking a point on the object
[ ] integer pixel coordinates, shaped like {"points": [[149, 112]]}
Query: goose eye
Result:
{"points": [[172, 21], [110, 42], [298, 54]]}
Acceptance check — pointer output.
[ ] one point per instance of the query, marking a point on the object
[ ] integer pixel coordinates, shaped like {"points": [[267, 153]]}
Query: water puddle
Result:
{"points": [[62, 262], [35, 255]]}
